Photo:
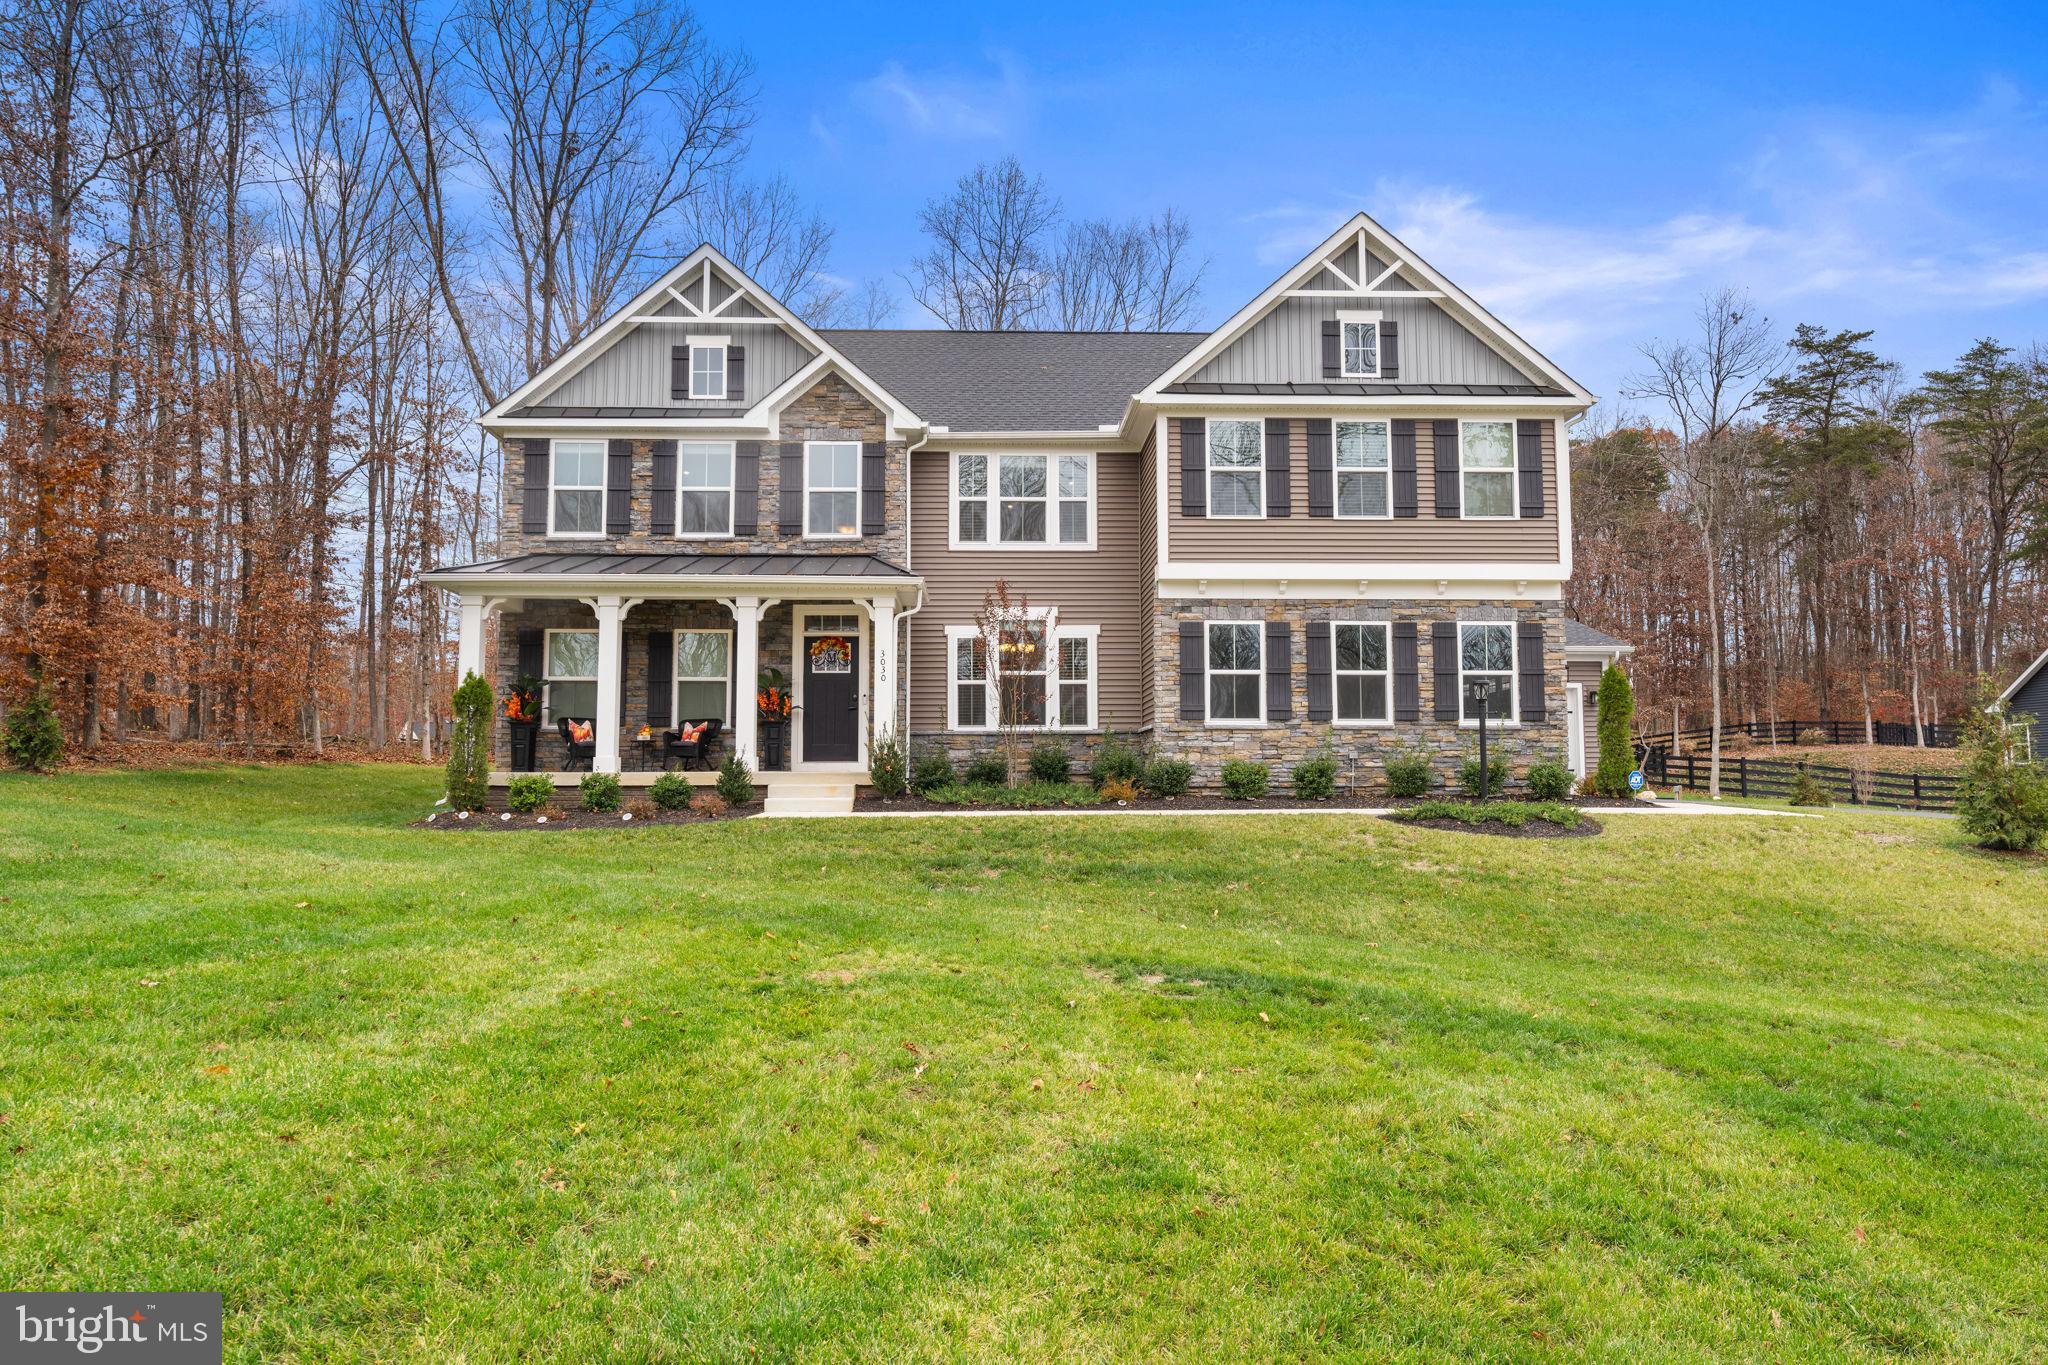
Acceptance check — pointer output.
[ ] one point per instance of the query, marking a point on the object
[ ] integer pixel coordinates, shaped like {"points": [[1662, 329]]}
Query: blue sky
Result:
{"points": [[1584, 177]]}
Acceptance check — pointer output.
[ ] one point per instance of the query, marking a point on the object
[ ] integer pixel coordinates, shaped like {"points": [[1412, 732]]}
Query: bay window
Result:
{"points": [[576, 499], [1237, 463], [1363, 683], [1486, 651], [704, 488], [1362, 470], [1235, 672], [1486, 461], [569, 684]]}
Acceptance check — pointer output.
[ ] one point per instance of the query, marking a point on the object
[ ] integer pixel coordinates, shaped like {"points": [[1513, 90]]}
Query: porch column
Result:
{"points": [[746, 668], [611, 612], [883, 612], [469, 647]]}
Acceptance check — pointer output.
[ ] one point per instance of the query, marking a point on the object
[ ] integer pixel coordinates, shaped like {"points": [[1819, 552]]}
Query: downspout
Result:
{"points": [[902, 618]]}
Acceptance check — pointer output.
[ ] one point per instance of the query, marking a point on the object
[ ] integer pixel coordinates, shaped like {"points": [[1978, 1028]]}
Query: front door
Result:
{"points": [[831, 698]]}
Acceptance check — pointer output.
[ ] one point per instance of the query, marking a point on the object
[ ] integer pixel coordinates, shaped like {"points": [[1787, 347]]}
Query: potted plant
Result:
{"points": [[771, 700], [522, 713]]}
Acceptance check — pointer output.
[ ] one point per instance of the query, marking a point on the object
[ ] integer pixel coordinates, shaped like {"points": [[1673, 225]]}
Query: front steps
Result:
{"points": [[799, 794]]}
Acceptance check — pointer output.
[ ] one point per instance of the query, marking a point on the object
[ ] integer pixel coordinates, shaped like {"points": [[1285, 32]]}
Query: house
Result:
{"points": [[1344, 513], [2025, 708]]}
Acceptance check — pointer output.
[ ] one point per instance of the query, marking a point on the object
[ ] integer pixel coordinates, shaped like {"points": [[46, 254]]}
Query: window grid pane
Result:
{"points": [[974, 521]]}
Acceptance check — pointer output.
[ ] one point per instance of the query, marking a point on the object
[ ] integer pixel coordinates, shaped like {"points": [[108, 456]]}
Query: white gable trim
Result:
{"points": [[1362, 230], [2023, 679]]}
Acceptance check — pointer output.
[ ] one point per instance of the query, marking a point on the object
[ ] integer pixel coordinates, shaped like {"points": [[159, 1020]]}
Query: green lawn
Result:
{"points": [[1019, 1087]]}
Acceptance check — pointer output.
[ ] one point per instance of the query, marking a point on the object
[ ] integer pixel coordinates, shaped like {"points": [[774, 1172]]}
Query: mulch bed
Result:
{"points": [[1534, 829], [563, 817], [866, 800]]}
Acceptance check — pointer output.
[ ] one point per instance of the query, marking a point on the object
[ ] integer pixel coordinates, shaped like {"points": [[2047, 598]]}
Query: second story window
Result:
{"points": [[1486, 461], [1023, 500], [832, 490], [707, 369], [576, 503], [704, 488], [1361, 345], [1362, 470], [1237, 468]]}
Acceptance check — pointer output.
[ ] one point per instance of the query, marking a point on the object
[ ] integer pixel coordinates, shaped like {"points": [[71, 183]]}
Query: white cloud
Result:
{"points": [[987, 105]]}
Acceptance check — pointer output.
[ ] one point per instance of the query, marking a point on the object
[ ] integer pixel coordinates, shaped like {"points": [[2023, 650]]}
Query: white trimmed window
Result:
{"points": [[576, 496], [1237, 467], [1361, 345], [703, 676], [1024, 500], [704, 488], [1363, 470], [707, 368], [1486, 463], [1486, 650], [569, 686], [1364, 685], [970, 706], [1236, 675], [970, 493], [832, 490], [1045, 685], [1076, 679]]}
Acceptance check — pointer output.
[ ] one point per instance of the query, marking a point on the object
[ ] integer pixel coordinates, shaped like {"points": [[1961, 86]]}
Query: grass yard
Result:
{"points": [[1265, 1088]]}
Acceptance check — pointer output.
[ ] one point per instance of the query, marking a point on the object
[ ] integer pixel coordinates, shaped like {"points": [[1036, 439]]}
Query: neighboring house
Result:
{"points": [[1587, 653], [2025, 707], [1329, 516]]}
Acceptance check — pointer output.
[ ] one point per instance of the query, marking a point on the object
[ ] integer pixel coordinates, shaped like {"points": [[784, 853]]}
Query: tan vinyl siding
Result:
{"points": [[1587, 672], [1089, 587], [1148, 558], [1422, 538]]}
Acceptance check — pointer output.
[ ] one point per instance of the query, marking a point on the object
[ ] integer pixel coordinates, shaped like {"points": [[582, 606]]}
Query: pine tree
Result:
{"points": [[1617, 706], [469, 747]]}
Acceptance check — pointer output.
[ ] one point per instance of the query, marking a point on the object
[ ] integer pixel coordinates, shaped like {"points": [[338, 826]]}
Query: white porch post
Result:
{"points": [[746, 664], [469, 647], [611, 611], [883, 612]]}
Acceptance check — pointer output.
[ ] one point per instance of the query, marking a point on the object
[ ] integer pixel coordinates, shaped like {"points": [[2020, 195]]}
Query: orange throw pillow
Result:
{"points": [[693, 733], [580, 732]]}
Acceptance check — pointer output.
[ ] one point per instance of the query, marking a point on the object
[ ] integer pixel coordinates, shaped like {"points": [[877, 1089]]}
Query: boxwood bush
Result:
{"points": [[1050, 762], [1166, 777], [671, 791], [932, 771], [600, 791], [1496, 775], [1550, 780], [1244, 780], [529, 792], [1408, 774], [1115, 759], [986, 770]]}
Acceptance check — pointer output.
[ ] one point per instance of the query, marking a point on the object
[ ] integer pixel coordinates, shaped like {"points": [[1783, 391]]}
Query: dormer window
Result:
{"points": [[707, 368], [1361, 345]]}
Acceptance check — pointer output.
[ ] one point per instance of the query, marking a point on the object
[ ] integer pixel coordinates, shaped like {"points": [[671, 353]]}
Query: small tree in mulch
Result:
{"points": [[1017, 646], [1617, 707], [469, 745], [35, 740], [2002, 802]]}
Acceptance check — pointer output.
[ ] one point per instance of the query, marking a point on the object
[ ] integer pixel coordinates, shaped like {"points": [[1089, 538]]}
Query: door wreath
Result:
{"points": [[831, 654]]}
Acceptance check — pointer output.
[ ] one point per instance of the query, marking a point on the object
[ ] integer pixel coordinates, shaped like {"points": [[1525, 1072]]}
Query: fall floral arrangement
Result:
{"points": [[773, 700], [522, 702]]}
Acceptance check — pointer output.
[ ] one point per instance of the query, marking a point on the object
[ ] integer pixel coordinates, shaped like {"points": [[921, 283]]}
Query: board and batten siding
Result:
{"points": [[2033, 700], [1424, 538], [1089, 587], [1286, 346], [634, 370]]}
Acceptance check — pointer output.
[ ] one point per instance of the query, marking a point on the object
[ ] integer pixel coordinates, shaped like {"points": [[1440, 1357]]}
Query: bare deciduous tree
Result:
{"points": [[1123, 277], [985, 269]]}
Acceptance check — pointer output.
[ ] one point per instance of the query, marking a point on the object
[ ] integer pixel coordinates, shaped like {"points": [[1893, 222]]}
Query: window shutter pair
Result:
{"points": [[746, 489], [1390, 349], [1529, 667], [792, 488], [1279, 670], [1194, 467], [874, 483], [679, 374], [661, 665], [1320, 699], [1279, 467], [662, 520], [1443, 656], [1322, 475], [618, 488], [1444, 442], [533, 506], [1403, 461], [1529, 464]]}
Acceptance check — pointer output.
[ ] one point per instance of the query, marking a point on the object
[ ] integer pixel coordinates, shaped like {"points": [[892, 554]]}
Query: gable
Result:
{"points": [[1285, 346]]}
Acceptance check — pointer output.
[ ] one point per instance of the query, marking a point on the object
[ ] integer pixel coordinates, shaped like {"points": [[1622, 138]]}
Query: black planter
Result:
{"points": [[525, 739], [774, 745]]}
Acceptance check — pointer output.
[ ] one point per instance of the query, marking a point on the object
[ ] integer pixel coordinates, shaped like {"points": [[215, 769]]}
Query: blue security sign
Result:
{"points": [[1635, 779]]}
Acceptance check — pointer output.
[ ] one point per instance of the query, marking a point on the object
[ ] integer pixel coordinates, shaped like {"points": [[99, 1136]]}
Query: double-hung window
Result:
{"points": [[1237, 468], [1037, 683], [1361, 345], [707, 368], [570, 685], [1077, 681], [704, 488], [1486, 652], [1362, 470], [1486, 460], [970, 493], [832, 490], [970, 682], [703, 675], [1363, 684], [576, 502], [1035, 500], [1234, 672]]}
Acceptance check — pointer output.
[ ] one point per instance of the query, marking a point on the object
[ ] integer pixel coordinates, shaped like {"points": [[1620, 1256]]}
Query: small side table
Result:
{"points": [[648, 750]]}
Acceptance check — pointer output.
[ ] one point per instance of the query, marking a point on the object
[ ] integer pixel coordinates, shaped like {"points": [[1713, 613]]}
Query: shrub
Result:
{"points": [[1119, 789], [1616, 702], [1807, 790], [709, 805], [1408, 773], [469, 745], [1737, 743], [735, 781], [2000, 803], [1816, 735], [1244, 780], [932, 771], [530, 792], [1513, 813], [1049, 762], [1550, 780], [641, 808], [1315, 777], [600, 791], [888, 767], [1496, 774], [671, 791], [986, 770], [35, 740], [1115, 759], [1166, 776]]}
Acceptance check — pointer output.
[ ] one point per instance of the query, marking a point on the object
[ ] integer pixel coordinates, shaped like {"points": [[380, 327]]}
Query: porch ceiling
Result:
{"points": [[574, 575]]}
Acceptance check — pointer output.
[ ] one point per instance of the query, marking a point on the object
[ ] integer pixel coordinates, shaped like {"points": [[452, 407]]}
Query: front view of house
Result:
{"points": [[1342, 515]]}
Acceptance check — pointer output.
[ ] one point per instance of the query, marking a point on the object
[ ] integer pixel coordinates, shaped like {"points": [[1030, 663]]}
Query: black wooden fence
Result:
{"points": [[1742, 776], [1896, 733]]}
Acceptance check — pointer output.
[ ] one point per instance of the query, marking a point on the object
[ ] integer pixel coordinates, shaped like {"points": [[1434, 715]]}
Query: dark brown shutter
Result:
{"points": [[662, 521], [1279, 467], [735, 374], [533, 659], [1390, 349], [618, 489], [1444, 440], [1443, 658], [533, 507], [1529, 665], [661, 670], [1407, 674], [1192, 671], [874, 481], [792, 488], [1405, 501], [1194, 473], [679, 374], [1333, 350], [1322, 478], [1279, 671], [1319, 699], [746, 489], [1529, 464]]}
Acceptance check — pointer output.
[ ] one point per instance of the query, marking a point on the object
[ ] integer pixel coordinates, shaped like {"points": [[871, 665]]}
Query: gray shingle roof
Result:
{"points": [[1578, 635], [1013, 381]]}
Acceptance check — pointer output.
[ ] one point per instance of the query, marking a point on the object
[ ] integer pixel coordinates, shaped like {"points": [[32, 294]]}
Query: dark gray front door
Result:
{"points": [[831, 698]]}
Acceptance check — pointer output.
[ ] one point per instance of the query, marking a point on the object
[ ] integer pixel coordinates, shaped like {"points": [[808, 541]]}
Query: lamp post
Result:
{"points": [[1481, 691]]}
